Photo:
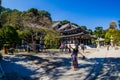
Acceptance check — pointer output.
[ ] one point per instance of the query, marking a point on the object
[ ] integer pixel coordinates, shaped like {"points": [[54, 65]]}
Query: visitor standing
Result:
{"points": [[28, 48], [62, 47], [108, 46], [82, 47], [74, 56]]}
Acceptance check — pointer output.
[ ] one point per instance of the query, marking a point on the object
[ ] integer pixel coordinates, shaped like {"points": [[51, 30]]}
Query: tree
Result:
{"points": [[84, 27], [65, 22], [5, 9], [0, 12], [3, 17], [51, 38], [90, 30], [12, 18], [74, 24], [33, 17], [112, 25], [16, 19], [30, 18], [22, 25], [1, 38], [33, 11], [26, 34], [45, 13], [10, 35], [115, 34], [0, 6], [99, 32]]}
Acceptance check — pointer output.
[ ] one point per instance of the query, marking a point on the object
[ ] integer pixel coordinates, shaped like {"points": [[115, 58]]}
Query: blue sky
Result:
{"points": [[90, 13]]}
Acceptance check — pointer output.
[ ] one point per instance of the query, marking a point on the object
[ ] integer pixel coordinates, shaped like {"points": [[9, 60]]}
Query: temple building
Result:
{"points": [[76, 36], [73, 34]]}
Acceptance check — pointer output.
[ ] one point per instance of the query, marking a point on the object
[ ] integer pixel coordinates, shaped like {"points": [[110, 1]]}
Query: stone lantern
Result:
{"points": [[99, 41], [111, 41]]}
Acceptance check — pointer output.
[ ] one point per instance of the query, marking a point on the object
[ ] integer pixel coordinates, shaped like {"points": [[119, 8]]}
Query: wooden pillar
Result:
{"points": [[5, 50], [88, 41], [85, 41]]}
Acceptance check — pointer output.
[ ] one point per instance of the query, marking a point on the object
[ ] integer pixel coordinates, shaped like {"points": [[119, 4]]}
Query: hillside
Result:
{"points": [[29, 18]]}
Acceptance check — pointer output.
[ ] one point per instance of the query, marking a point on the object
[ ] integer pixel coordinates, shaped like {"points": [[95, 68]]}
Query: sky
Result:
{"points": [[90, 13]]}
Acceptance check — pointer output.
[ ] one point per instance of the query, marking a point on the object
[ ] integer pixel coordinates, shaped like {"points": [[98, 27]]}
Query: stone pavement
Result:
{"points": [[57, 66], [111, 67], [108, 67]]}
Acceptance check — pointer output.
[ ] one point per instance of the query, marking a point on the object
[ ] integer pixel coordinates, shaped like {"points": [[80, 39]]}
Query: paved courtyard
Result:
{"points": [[99, 64]]}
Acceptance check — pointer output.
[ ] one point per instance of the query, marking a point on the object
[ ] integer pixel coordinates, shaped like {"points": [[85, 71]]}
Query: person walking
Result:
{"points": [[82, 47], [62, 47], [74, 56], [28, 48], [108, 47]]}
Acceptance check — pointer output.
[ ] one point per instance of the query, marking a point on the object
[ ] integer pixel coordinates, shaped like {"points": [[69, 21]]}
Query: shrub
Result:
{"points": [[1, 56]]}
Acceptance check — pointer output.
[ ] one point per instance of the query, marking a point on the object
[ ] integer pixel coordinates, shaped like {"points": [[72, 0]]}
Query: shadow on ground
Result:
{"points": [[15, 71], [11, 68], [104, 69]]}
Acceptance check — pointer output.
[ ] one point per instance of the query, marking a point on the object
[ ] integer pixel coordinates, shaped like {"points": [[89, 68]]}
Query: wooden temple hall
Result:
{"points": [[75, 36], [72, 34]]}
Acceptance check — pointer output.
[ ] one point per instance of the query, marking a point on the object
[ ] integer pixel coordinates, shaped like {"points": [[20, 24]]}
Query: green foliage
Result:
{"points": [[4, 17], [5, 9], [27, 18], [16, 19], [33, 17], [12, 18], [44, 13], [117, 37], [51, 38], [74, 24], [65, 22], [115, 34], [112, 25], [109, 33], [99, 32], [26, 31], [20, 34], [25, 34], [84, 27], [33, 11], [90, 30], [1, 38], [1, 56], [9, 35]]}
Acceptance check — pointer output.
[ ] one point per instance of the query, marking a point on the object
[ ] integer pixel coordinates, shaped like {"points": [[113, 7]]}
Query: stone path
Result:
{"points": [[57, 66], [111, 66], [108, 67]]}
